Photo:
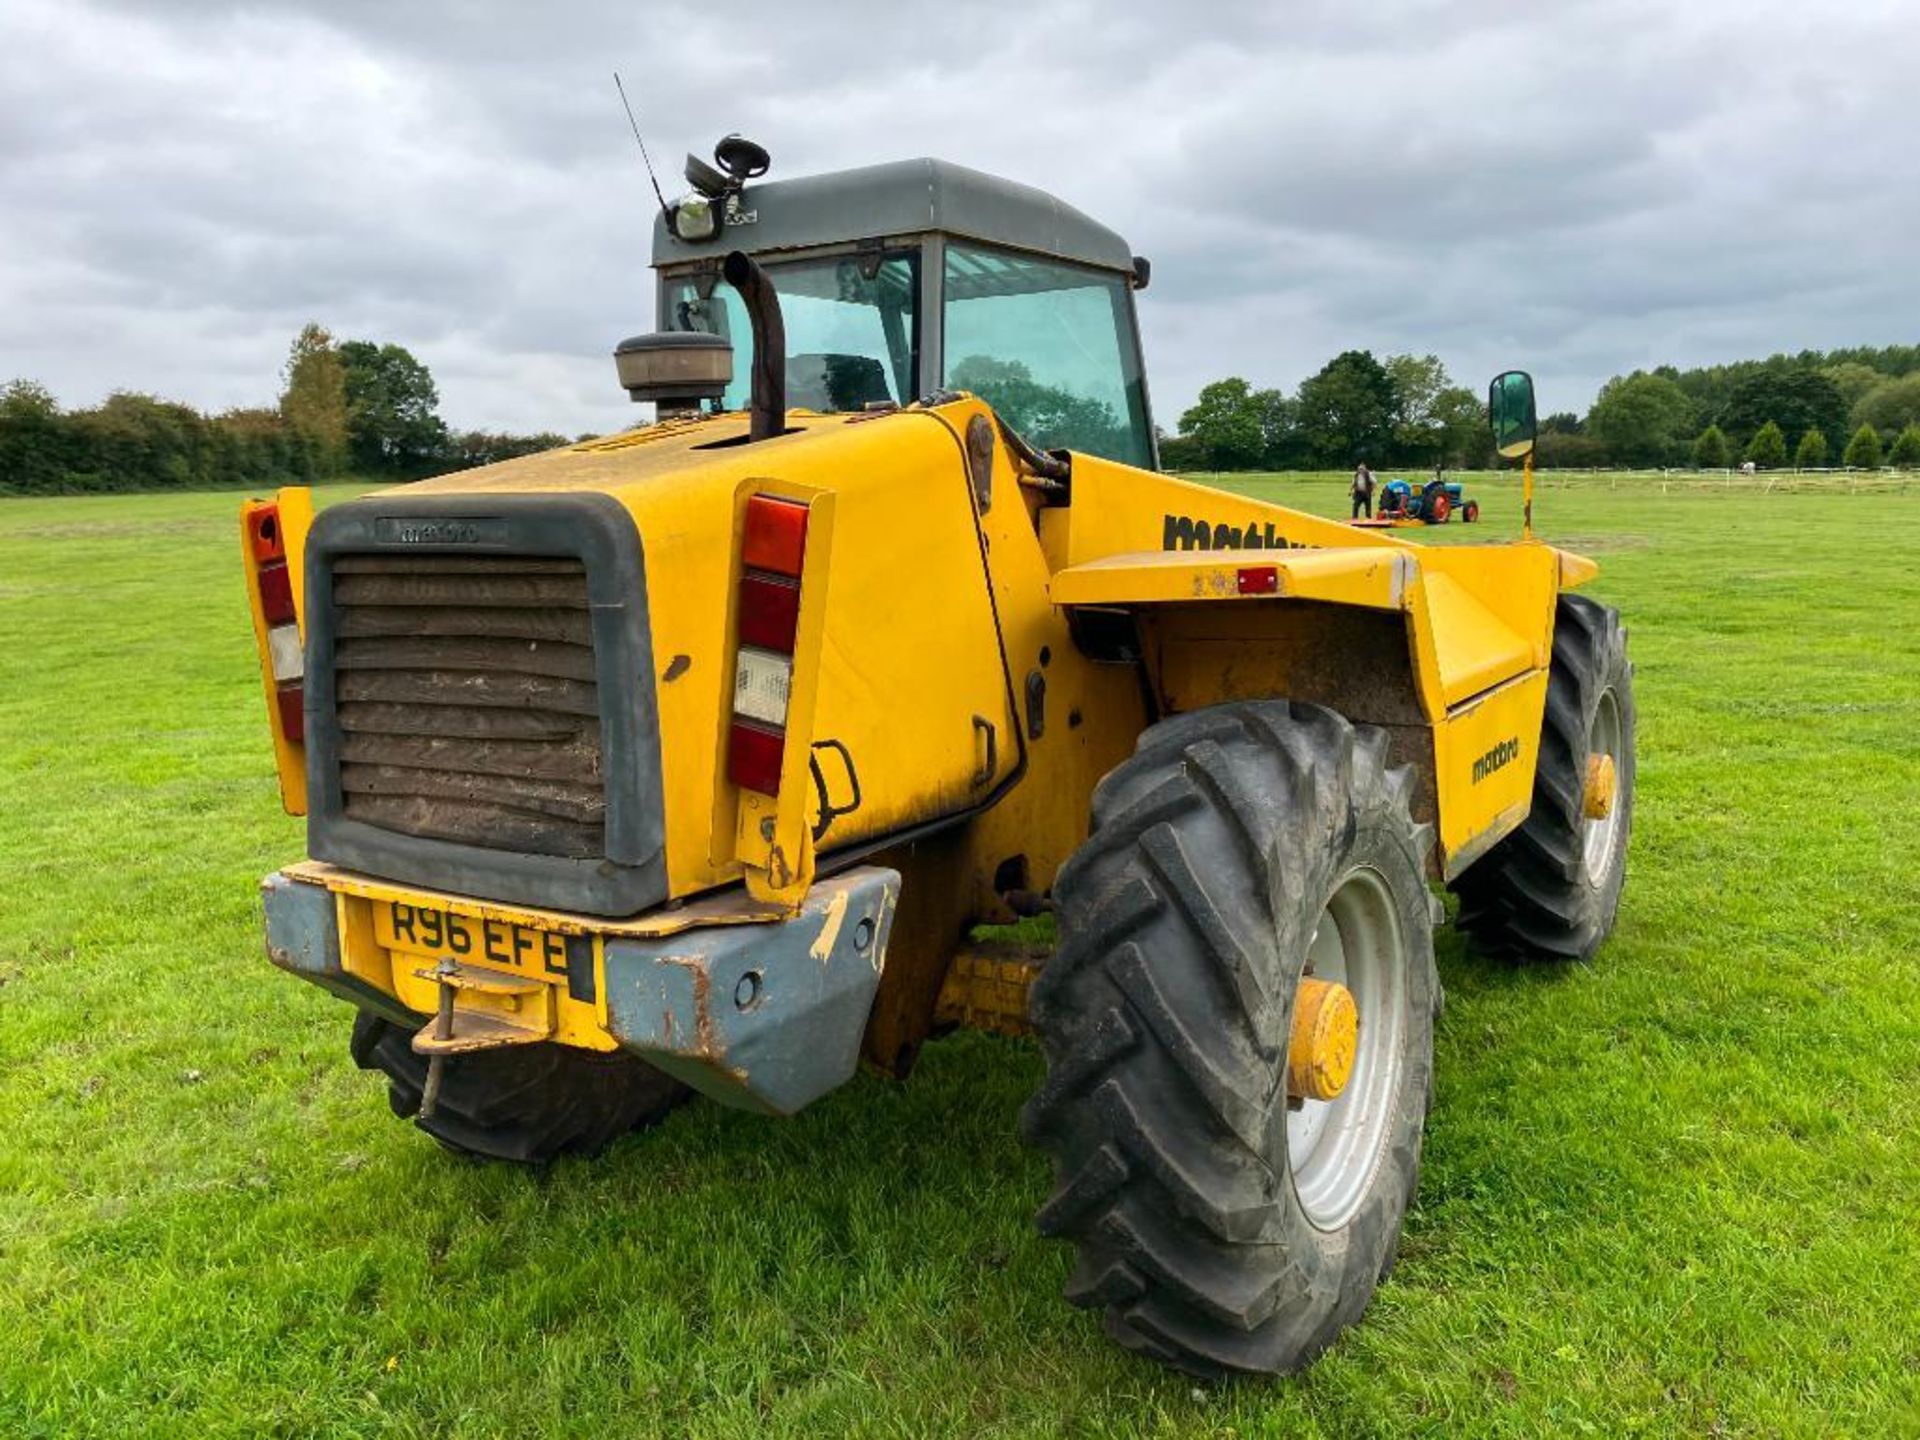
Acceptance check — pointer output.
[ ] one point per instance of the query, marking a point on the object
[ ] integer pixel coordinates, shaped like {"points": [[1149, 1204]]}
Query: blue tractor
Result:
{"points": [[1434, 503]]}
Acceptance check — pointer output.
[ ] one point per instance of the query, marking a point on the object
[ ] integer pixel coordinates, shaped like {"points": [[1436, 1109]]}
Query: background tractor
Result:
{"points": [[689, 759], [1434, 503]]}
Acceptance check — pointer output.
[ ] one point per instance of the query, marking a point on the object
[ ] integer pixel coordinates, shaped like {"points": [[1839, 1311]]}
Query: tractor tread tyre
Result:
{"points": [[1531, 896], [1165, 1010], [526, 1103]]}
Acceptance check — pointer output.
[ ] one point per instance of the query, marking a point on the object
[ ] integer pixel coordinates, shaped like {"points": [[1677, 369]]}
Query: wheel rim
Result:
{"points": [[1334, 1146], [1600, 837]]}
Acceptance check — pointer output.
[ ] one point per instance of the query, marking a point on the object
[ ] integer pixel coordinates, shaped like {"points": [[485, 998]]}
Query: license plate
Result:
{"points": [[441, 934]]}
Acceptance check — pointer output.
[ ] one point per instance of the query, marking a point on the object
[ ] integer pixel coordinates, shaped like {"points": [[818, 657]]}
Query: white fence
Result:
{"points": [[1675, 481]]}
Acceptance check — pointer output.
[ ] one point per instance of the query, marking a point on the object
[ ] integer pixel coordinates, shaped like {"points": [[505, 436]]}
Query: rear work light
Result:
{"points": [[273, 583], [772, 550]]}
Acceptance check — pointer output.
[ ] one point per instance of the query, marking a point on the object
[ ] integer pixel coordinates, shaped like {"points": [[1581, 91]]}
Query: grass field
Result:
{"points": [[1671, 1193]]}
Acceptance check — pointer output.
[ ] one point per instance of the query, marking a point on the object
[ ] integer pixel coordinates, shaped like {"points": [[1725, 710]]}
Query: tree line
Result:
{"points": [[1858, 406], [355, 407], [1404, 410]]}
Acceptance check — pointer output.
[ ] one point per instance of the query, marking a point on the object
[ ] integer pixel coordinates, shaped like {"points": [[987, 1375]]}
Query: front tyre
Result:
{"points": [[524, 1103], [1551, 890], [1243, 857]]}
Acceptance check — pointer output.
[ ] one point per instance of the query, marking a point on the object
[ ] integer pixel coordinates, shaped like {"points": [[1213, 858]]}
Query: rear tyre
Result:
{"points": [[1220, 1228], [1551, 890], [1439, 507], [524, 1103]]}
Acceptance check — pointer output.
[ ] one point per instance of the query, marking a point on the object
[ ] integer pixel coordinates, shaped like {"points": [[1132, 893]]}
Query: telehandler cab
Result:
{"points": [[688, 759]]}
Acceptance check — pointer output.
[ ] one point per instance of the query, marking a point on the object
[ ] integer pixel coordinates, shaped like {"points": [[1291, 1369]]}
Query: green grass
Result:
{"points": [[1670, 1193]]}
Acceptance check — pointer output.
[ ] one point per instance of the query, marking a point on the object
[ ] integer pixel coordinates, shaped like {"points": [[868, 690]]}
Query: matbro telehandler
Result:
{"points": [[688, 759]]}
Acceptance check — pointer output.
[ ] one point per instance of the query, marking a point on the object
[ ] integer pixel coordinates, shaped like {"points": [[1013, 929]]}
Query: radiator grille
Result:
{"points": [[466, 701]]}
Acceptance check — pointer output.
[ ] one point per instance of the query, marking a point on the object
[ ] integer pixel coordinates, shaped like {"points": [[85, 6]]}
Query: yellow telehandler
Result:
{"points": [[692, 758]]}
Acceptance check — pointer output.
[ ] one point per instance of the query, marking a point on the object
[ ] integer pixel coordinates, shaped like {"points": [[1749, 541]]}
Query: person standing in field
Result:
{"points": [[1362, 491]]}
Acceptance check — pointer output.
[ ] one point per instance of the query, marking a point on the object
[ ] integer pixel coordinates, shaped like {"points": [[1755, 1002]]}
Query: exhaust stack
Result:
{"points": [[767, 408]]}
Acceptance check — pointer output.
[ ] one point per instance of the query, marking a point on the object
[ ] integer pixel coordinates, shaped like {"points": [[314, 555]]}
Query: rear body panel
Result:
{"points": [[908, 699]]}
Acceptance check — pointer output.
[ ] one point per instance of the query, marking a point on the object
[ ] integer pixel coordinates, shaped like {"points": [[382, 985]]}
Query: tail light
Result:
{"points": [[274, 583], [772, 549]]}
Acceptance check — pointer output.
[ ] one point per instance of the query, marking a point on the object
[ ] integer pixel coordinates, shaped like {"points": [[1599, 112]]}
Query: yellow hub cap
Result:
{"points": [[1326, 1032], [1597, 802]]}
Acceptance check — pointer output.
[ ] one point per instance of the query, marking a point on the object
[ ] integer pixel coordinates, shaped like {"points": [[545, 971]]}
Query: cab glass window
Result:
{"points": [[1050, 346], [852, 326]]}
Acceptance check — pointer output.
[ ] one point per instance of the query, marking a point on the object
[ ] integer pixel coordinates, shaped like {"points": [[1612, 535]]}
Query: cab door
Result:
{"points": [[1051, 345]]}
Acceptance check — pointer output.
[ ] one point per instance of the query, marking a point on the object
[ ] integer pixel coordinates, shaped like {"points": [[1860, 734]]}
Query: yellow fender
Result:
{"points": [[1474, 624]]}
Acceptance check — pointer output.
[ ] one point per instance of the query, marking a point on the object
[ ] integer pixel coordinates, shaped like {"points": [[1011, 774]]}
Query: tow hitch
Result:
{"points": [[453, 1031]]}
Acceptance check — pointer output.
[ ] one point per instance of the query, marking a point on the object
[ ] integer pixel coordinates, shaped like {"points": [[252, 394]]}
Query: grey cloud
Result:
{"points": [[1579, 187]]}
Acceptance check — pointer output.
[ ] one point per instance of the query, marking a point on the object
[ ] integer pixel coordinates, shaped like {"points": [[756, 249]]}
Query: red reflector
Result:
{"points": [[263, 531], [1259, 580], [769, 613], [291, 702], [776, 537], [276, 593], [753, 757]]}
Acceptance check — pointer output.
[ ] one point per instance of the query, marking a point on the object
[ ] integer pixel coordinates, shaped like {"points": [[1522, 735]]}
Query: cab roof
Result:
{"points": [[902, 197]]}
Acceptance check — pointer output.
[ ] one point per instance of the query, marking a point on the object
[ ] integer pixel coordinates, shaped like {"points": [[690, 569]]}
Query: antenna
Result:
{"points": [[645, 158]]}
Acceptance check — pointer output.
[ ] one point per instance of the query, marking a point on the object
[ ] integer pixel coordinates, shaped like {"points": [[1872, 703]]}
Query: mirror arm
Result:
{"points": [[1526, 498]]}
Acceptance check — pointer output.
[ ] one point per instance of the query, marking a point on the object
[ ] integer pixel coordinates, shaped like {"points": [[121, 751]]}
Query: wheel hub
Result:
{"points": [[1600, 788], [1349, 1021], [1596, 803], [1326, 1033]]}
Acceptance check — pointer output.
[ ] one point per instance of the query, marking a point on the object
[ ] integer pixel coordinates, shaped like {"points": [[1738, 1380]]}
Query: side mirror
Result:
{"points": [[1510, 411]]}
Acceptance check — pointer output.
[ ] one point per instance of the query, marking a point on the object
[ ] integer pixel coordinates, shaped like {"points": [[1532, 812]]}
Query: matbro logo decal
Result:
{"points": [[1183, 532], [1498, 758], [438, 530]]}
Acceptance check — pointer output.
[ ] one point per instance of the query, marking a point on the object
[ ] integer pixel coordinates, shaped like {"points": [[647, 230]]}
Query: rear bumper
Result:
{"points": [[757, 1011]]}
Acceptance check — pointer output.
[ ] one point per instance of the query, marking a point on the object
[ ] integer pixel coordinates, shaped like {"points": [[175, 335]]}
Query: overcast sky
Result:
{"points": [[1577, 188]]}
